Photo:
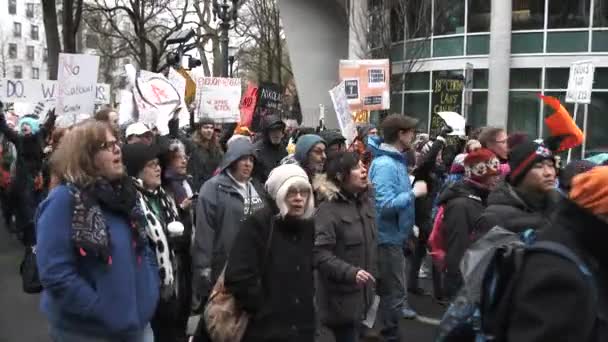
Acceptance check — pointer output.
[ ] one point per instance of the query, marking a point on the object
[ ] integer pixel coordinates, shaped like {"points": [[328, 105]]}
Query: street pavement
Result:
{"points": [[21, 320]]}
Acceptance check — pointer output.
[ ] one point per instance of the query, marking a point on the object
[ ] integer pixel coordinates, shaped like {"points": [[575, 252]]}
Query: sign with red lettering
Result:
{"points": [[156, 99], [248, 105], [77, 86], [218, 98]]}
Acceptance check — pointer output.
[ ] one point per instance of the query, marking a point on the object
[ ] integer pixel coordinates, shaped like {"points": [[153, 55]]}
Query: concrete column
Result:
{"points": [[317, 38], [358, 23], [499, 63]]}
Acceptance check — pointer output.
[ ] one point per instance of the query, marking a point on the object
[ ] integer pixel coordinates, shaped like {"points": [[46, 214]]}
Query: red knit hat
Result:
{"points": [[481, 165]]}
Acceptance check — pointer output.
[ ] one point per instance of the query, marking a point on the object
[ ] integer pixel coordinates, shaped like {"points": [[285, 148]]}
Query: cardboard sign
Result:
{"points": [[456, 121], [218, 98], [347, 125], [367, 83], [156, 100], [33, 91], [248, 104], [446, 97], [580, 82], [77, 86], [179, 83]]}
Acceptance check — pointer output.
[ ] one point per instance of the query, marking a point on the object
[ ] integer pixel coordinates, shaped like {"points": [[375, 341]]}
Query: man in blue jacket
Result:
{"points": [[395, 216]]}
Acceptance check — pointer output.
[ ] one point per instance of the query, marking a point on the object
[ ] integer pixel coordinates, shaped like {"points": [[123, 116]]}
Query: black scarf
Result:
{"points": [[89, 229]]}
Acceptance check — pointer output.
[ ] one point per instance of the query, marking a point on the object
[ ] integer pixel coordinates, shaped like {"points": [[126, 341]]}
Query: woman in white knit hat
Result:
{"points": [[270, 268]]}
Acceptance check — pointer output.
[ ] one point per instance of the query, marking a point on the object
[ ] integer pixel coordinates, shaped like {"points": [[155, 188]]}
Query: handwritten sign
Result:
{"points": [[77, 86], [580, 82], [33, 91], [345, 119], [269, 102], [447, 97], [218, 98], [156, 99]]}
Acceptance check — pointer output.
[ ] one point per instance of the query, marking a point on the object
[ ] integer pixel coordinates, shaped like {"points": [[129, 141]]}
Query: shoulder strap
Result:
{"points": [[560, 250]]}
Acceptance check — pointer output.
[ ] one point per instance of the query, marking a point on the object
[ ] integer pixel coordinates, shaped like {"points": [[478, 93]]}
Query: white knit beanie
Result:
{"points": [[281, 179]]}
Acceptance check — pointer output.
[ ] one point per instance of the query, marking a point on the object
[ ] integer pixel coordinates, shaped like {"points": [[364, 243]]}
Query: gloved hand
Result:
{"points": [[420, 189]]}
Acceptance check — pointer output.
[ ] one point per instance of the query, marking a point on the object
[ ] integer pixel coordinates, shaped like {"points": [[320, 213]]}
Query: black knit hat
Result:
{"points": [[523, 157], [136, 156], [332, 137]]}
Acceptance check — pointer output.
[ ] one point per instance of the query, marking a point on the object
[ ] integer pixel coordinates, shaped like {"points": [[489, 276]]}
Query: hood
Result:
{"points": [[463, 189], [378, 148], [325, 189], [505, 194], [270, 121], [237, 149]]}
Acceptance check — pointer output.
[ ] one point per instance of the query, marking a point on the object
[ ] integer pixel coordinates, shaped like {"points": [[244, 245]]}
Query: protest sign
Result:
{"points": [[77, 86], [446, 97], [580, 82], [125, 112], [190, 92], [179, 83], [345, 119], [218, 98], [269, 102], [456, 121], [32, 91], [156, 99], [248, 104], [367, 83]]}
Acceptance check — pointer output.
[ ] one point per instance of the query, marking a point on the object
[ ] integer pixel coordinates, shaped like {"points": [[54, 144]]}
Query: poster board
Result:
{"points": [[446, 97], [77, 86], [156, 100], [580, 82], [347, 125], [33, 91], [218, 98], [367, 83]]}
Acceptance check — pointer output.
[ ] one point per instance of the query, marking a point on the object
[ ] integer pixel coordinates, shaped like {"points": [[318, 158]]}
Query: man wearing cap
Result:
{"points": [[138, 132], [336, 142], [395, 198], [271, 148], [527, 196]]}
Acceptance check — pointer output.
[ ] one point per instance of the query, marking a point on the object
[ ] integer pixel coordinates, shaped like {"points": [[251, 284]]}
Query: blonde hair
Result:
{"points": [[74, 159]]}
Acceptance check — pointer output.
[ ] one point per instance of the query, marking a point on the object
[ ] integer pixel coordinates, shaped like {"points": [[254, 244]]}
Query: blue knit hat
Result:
{"points": [[32, 122], [305, 144]]}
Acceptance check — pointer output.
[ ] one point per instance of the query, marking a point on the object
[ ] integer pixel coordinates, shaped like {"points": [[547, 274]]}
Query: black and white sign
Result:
{"points": [[580, 82]]}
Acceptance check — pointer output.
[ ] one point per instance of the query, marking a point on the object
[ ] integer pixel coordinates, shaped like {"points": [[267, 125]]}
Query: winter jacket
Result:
{"points": [[508, 208], [433, 174], [553, 300], [276, 287], [83, 294], [268, 155], [203, 161], [463, 203], [345, 243], [219, 211], [394, 195]]}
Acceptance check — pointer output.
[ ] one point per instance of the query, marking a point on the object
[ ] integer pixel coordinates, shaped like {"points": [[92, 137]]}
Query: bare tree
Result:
{"points": [[71, 17], [4, 54]]}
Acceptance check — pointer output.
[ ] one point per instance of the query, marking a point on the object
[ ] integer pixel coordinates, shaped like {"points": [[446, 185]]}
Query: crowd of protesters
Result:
{"points": [[135, 232]]}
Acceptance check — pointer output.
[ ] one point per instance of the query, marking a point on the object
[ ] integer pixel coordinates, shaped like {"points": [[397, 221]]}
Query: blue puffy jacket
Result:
{"points": [[394, 196], [84, 294]]}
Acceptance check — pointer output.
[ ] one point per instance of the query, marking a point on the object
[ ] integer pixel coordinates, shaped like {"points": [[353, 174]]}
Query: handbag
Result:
{"points": [[29, 272], [225, 320]]}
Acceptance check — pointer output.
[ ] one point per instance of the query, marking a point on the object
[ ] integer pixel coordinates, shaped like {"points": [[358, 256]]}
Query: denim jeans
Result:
{"points": [[61, 335], [391, 289]]}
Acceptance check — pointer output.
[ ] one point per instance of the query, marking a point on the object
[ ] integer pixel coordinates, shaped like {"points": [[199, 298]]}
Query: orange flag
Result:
{"points": [[560, 123]]}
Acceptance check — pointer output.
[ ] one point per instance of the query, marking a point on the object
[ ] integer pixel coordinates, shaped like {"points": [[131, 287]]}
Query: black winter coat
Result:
{"points": [[463, 203], [268, 155], [508, 209], [277, 290], [431, 173], [553, 300], [345, 243]]}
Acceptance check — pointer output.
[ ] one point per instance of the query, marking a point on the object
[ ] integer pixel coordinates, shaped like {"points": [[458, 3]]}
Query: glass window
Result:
{"points": [[597, 125], [479, 15], [12, 6], [12, 51], [477, 113], [567, 41], [556, 78], [452, 46], [600, 41], [417, 106], [29, 10], [449, 17], [35, 73], [525, 78], [17, 71], [600, 13], [418, 49], [45, 55], [397, 52], [523, 112], [30, 53], [478, 45], [396, 103], [480, 79], [417, 80], [17, 30], [418, 18], [527, 43], [600, 79], [34, 32], [528, 15], [568, 13]]}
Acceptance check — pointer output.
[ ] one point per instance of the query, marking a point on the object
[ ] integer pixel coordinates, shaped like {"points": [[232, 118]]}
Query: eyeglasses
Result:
{"points": [[293, 192], [110, 146]]}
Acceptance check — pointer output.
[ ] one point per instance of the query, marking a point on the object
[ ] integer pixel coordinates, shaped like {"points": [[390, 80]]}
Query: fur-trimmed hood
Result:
{"points": [[325, 189]]}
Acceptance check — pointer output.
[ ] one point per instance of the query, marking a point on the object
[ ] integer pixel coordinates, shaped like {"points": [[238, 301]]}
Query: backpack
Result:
{"points": [[436, 241], [490, 270]]}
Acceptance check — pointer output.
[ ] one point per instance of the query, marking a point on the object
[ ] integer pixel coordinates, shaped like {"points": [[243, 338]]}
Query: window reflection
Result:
{"points": [[600, 13], [528, 14], [418, 18], [568, 13], [479, 15], [449, 17]]}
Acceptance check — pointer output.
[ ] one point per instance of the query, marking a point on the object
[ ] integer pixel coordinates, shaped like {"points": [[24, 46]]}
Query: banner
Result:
{"points": [[345, 119], [77, 81], [269, 102], [248, 105], [367, 83], [33, 91], [218, 98]]}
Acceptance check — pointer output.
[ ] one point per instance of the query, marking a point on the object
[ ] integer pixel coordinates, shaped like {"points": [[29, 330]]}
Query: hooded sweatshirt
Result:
{"points": [[268, 155]]}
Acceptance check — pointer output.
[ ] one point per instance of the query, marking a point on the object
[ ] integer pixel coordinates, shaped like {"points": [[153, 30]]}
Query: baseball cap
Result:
{"points": [[137, 128]]}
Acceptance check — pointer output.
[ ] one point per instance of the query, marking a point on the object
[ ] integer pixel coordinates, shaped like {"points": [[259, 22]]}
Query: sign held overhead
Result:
{"points": [[580, 82]]}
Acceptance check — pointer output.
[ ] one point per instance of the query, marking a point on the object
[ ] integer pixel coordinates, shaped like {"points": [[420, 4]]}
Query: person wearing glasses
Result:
{"points": [[99, 275], [496, 140]]}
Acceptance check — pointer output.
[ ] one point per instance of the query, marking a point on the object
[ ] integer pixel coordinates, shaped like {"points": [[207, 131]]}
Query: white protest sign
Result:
{"points": [[156, 100], [456, 121], [580, 82], [345, 118], [218, 98], [179, 82], [125, 111], [77, 81], [33, 91]]}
